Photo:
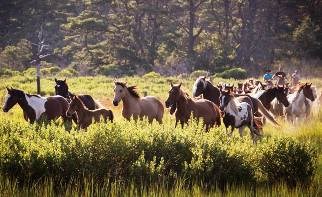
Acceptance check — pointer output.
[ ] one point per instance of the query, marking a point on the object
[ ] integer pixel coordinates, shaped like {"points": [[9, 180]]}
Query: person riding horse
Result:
{"points": [[280, 78], [268, 76], [295, 78]]}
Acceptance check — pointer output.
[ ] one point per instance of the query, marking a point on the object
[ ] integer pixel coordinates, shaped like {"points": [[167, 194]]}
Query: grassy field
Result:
{"points": [[128, 158]]}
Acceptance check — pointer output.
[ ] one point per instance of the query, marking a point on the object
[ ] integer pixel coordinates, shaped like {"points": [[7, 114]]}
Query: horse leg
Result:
{"points": [[241, 129]]}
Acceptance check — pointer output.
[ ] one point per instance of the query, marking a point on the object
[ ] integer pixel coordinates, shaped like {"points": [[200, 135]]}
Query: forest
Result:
{"points": [[116, 37]]}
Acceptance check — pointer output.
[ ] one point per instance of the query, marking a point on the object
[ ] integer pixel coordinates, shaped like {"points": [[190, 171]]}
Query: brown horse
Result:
{"points": [[86, 116], [135, 106], [35, 107], [184, 106]]}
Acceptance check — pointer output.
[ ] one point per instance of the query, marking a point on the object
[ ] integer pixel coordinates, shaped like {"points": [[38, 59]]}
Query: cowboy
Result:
{"points": [[295, 78], [268, 75]]}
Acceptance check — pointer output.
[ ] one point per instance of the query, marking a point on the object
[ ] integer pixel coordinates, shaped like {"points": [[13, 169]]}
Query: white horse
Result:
{"points": [[300, 103]]}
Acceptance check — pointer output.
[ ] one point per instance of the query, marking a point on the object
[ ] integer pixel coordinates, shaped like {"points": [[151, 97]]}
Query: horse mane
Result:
{"points": [[31, 95], [79, 101], [131, 89]]}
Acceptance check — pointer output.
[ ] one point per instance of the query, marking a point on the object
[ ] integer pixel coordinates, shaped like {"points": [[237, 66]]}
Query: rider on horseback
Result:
{"points": [[268, 76]]}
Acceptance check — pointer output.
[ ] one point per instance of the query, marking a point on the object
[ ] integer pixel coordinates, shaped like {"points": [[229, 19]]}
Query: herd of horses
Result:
{"points": [[247, 105]]}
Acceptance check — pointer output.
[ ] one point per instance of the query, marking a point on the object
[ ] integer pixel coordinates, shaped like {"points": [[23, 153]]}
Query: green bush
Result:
{"points": [[286, 160], [198, 73], [134, 151], [152, 75], [50, 71], [5, 72], [236, 73], [116, 70], [68, 72]]}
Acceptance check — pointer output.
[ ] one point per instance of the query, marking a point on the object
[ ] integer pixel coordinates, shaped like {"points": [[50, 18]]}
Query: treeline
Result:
{"points": [[162, 35]]}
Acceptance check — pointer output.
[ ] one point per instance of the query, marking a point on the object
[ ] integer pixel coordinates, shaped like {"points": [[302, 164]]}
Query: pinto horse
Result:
{"points": [[179, 102], [36, 107], [299, 103], [135, 106], [61, 88], [204, 87], [86, 116], [238, 114]]}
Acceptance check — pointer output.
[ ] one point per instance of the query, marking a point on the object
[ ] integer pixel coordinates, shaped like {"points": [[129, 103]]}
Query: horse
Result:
{"points": [[178, 101], [35, 107], [268, 95], [207, 89], [61, 88], [135, 106], [238, 114], [300, 106], [86, 116]]}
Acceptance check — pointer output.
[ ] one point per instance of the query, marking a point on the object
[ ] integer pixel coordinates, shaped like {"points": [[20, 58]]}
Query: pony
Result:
{"points": [[207, 89], [238, 114], [86, 116], [300, 106], [61, 88], [35, 107], [178, 101], [135, 106]]}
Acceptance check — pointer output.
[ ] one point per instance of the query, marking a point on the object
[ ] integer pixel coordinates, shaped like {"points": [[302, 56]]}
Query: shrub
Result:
{"points": [[50, 71], [286, 160], [198, 73], [236, 73], [5, 72], [152, 75], [116, 70], [68, 72]]}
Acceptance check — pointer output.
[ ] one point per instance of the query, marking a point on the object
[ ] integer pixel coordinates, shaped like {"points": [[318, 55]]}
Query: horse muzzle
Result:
{"points": [[5, 110], [115, 103]]}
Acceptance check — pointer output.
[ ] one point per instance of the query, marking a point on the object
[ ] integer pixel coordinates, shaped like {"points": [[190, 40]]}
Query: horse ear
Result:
{"points": [[171, 84], [8, 89], [65, 80], [56, 80], [179, 85]]}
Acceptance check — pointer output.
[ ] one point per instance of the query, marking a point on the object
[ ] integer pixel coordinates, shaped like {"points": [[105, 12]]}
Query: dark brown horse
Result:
{"points": [[179, 102], [86, 116], [204, 87], [36, 107], [61, 88]]}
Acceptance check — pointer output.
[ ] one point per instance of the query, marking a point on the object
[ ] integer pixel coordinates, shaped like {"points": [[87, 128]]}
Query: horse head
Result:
{"points": [[225, 98], [308, 91], [61, 88], [13, 97], [281, 95], [173, 98], [199, 86]]}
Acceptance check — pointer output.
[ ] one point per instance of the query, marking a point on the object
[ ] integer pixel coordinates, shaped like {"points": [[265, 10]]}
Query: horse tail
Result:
{"points": [[266, 113], [218, 116]]}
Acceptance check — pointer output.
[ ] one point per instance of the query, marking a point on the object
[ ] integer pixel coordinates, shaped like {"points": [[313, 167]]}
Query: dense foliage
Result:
{"points": [[143, 153], [170, 36]]}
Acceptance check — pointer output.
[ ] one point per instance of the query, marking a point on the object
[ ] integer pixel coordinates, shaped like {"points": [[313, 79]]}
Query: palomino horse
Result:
{"points": [[61, 88], [36, 107], [299, 105], [204, 87], [135, 106], [86, 116], [237, 114], [179, 102]]}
